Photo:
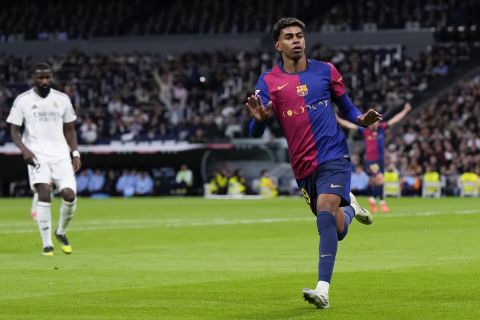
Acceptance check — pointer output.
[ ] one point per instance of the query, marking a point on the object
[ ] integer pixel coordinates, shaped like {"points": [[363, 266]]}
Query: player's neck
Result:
{"points": [[41, 92], [294, 66]]}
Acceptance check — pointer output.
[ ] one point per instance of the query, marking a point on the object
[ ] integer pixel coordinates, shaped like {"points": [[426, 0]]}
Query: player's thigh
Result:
{"points": [[39, 174], [308, 189], [334, 179], [63, 175]]}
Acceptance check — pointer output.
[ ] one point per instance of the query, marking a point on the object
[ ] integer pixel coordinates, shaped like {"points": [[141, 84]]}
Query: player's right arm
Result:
{"points": [[16, 135], [256, 107], [15, 118]]}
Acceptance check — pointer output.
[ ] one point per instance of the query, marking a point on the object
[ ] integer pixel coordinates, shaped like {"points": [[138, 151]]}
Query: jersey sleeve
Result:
{"points": [[337, 89], [255, 128], [337, 86], [261, 89], [69, 115], [16, 116]]}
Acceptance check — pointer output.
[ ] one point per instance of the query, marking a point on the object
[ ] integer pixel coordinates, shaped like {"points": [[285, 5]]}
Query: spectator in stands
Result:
{"points": [[359, 181], [110, 183], [268, 188], [183, 180], [96, 182], [126, 183], [410, 183], [236, 184], [219, 182], [82, 182], [88, 131], [143, 184]]}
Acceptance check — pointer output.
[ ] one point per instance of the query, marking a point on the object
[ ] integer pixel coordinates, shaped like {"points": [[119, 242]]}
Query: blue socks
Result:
{"points": [[377, 192], [348, 213], [327, 229], [380, 191]]}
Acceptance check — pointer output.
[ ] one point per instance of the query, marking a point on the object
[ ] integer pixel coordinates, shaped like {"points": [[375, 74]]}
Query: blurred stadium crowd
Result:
{"points": [[51, 19], [199, 97]]}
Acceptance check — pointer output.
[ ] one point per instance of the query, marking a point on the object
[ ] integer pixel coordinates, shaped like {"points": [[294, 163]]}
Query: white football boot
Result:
{"points": [[316, 297], [361, 214]]}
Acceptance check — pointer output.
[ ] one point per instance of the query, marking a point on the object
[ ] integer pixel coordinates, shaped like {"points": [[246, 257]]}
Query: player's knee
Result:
{"points": [[43, 191], [68, 195], [341, 235]]}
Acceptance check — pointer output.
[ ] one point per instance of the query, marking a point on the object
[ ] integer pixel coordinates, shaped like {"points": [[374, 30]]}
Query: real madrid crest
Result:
{"points": [[302, 90]]}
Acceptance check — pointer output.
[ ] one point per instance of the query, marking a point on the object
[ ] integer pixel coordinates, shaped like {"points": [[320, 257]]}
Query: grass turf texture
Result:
{"points": [[175, 258]]}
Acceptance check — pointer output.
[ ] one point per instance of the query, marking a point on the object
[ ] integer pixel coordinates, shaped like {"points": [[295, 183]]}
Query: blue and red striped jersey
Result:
{"points": [[302, 104], [374, 142]]}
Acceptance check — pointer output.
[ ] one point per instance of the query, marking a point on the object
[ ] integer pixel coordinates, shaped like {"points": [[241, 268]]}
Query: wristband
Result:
{"points": [[75, 154]]}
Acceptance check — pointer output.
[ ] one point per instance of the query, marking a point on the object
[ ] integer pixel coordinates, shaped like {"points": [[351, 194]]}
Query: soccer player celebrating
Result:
{"points": [[374, 137], [300, 91], [49, 135]]}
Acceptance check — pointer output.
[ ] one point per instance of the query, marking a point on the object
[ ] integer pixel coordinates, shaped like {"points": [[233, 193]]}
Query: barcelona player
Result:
{"points": [[300, 92], [374, 137]]}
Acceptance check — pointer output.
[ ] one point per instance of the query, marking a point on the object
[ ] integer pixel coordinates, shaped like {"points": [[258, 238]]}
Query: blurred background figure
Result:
{"points": [[143, 184], [359, 181], [184, 180], [236, 184], [268, 188]]}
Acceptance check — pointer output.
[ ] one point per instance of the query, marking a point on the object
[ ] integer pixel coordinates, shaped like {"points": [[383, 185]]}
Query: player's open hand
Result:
{"points": [[29, 157], [257, 110], [76, 163], [369, 118]]}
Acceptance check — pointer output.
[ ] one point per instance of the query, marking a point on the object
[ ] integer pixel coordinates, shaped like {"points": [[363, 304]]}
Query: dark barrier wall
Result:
{"points": [[12, 167], [201, 161]]}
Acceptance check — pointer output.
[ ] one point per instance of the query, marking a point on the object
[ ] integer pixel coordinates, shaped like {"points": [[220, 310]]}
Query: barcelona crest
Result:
{"points": [[302, 90]]}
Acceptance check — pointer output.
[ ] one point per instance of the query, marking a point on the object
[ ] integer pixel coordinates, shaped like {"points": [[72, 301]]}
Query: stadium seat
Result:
{"points": [[392, 184], [431, 186], [469, 184]]}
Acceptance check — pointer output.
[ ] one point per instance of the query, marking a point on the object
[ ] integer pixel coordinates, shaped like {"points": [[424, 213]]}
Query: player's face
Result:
{"points": [[291, 42], [43, 80]]}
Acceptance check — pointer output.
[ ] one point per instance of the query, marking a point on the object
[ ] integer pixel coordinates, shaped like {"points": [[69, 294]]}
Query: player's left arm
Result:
{"points": [[71, 137], [346, 124], [399, 116], [347, 109]]}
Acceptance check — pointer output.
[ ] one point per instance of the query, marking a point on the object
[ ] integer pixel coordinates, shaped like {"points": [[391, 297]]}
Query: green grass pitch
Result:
{"points": [[186, 258]]}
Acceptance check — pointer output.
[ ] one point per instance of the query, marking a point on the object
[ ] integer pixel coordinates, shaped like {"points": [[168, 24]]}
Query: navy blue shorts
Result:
{"points": [[331, 177], [374, 167]]}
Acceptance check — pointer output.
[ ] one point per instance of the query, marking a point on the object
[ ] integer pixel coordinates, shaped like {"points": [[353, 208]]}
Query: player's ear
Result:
{"points": [[277, 46]]}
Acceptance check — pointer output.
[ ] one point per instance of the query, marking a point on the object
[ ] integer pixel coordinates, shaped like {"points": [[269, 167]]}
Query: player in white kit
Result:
{"points": [[48, 137]]}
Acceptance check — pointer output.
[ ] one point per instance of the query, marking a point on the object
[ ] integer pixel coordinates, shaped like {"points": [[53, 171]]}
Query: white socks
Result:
{"points": [[323, 286], [44, 220], [67, 210]]}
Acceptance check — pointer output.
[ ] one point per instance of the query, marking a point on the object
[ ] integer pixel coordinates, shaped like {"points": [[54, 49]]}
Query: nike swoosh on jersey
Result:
{"points": [[335, 185], [282, 86]]}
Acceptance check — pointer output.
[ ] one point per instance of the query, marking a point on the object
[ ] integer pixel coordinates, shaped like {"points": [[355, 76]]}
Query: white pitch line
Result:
{"points": [[174, 223], [117, 224]]}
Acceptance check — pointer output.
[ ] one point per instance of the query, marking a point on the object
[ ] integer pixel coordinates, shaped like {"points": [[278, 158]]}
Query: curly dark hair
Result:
{"points": [[284, 23]]}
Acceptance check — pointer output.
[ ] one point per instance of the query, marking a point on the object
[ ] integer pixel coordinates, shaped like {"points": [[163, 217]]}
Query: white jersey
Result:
{"points": [[43, 119]]}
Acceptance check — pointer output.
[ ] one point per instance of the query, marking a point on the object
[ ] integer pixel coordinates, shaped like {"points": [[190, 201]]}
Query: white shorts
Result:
{"points": [[60, 172]]}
